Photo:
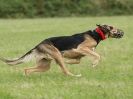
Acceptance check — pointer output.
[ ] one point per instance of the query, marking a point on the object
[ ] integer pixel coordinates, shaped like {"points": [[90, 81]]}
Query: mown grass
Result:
{"points": [[111, 79]]}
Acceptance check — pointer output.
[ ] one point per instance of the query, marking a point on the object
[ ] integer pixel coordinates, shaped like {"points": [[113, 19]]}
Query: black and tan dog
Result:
{"points": [[71, 47]]}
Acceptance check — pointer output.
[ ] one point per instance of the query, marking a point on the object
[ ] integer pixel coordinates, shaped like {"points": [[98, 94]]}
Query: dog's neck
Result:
{"points": [[101, 33]]}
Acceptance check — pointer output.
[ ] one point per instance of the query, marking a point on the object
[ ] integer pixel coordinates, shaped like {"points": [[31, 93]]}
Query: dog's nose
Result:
{"points": [[121, 33]]}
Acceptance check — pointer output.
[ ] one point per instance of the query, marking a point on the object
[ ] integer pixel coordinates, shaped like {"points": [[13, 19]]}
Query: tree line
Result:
{"points": [[64, 8]]}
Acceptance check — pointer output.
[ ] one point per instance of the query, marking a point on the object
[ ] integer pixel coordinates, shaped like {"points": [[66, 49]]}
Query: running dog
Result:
{"points": [[72, 47]]}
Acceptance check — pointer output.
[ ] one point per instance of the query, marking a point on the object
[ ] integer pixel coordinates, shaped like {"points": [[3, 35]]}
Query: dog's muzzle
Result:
{"points": [[118, 34]]}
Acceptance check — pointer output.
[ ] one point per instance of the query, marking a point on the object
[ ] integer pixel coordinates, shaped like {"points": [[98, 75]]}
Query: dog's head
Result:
{"points": [[111, 31]]}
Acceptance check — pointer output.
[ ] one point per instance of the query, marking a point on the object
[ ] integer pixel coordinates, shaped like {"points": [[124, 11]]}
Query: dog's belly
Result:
{"points": [[66, 42], [70, 54]]}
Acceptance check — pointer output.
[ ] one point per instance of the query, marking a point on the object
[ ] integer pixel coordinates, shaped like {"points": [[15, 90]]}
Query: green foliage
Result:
{"points": [[54, 8]]}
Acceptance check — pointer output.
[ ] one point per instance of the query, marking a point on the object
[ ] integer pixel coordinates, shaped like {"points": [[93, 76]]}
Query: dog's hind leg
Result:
{"points": [[42, 66], [56, 55], [73, 61]]}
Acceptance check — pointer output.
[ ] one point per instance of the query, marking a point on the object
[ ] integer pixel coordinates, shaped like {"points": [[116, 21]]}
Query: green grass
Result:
{"points": [[111, 79]]}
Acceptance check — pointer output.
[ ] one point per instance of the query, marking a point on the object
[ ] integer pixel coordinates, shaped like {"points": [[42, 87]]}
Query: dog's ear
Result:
{"points": [[98, 25]]}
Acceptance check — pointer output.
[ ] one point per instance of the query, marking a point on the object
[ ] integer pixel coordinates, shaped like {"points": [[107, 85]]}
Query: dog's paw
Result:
{"points": [[79, 75], [94, 65], [73, 75]]}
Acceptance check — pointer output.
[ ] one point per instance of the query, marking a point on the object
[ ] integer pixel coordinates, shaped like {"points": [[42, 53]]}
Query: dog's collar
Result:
{"points": [[100, 32]]}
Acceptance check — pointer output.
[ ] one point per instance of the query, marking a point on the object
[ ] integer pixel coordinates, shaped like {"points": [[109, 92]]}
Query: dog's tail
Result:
{"points": [[25, 58]]}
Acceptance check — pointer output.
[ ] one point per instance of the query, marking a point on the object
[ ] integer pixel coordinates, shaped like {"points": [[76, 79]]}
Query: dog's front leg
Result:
{"points": [[86, 51]]}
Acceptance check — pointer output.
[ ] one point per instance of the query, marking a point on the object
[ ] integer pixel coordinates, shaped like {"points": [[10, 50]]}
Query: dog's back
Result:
{"points": [[66, 42]]}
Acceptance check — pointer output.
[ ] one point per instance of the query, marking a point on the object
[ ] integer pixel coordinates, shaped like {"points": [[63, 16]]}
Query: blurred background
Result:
{"points": [[64, 8], [25, 23]]}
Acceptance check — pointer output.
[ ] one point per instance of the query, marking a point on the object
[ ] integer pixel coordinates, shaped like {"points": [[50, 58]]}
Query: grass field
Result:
{"points": [[111, 79]]}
